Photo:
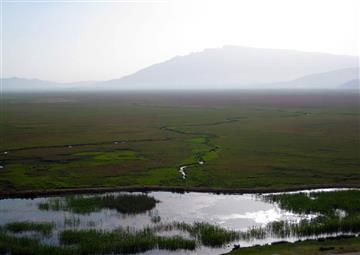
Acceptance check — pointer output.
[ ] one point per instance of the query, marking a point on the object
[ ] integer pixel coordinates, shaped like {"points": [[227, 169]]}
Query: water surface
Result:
{"points": [[235, 212]]}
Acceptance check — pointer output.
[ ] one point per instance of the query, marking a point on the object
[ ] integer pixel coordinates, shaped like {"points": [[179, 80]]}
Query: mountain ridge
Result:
{"points": [[233, 66], [229, 67]]}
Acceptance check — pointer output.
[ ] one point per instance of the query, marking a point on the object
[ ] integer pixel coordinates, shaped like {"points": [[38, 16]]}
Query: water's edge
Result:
{"points": [[56, 192]]}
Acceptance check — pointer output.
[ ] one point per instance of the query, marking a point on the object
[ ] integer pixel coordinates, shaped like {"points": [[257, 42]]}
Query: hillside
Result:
{"points": [[232, 67]]}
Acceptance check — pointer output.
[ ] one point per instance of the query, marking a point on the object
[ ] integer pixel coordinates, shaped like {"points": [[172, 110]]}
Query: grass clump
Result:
{"points": [[71, 221], [315, 227], [325, 205], [112, 156], [124, 203], [28, 246], [122, 241], [206, 234], [319, 202], [214, 236], [127, 241], [44, 228]]}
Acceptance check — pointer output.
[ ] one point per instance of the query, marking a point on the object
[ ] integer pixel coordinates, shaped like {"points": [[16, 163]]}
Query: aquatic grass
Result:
{"points": [[55, 204], [206, 233], [325, 205], [132, 241], [44, 228], [72, 221], [254, 233], [16, 245], [314, 227], [129, 240], [214, 236], [122, 241], [123, 203], [175, 243], [319, 226], [318, 202]]}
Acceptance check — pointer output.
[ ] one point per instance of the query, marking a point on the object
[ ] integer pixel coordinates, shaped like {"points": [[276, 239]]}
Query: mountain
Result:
{"points": [[338, 79], [231, 67], [352, 84], [27, 85], [227, 67]]}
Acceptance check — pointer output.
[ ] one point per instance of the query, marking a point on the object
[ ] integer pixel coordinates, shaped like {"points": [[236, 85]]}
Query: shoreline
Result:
{"points": [[95, 190]]}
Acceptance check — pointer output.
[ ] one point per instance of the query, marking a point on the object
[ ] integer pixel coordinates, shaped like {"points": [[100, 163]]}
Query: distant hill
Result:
{"points": [[27, 85], [352, 84], [338, 79], [232, 67], [20, 84]]}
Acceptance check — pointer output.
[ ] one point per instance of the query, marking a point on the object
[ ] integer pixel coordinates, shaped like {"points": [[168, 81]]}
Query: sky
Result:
{"points": [[69, 41]]}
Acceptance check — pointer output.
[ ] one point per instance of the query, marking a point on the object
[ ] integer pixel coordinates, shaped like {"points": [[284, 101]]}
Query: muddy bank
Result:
{"points": [[57, 192]]}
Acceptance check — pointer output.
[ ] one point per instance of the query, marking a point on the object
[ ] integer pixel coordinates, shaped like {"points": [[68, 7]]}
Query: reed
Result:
{"points": [[122, 241], [16, 245], [44, 228], [324, 203], [123, 203], [205, 233]]}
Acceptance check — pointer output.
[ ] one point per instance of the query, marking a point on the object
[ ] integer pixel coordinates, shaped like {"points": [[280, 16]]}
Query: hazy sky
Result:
{"points": [[76, 40]]}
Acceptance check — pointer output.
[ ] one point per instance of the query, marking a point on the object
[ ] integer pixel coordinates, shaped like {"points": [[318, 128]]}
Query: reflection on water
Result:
{"points": [[236, 212]]}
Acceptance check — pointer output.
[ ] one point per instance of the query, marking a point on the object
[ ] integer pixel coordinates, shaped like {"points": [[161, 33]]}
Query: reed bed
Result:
{"points": [[44, 228], [122, 241], [23, 245], [124, 203], [325, 203], [205, 233]]}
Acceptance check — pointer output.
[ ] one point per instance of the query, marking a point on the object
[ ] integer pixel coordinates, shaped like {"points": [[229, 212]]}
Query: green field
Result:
{"points": [[246, 138]]}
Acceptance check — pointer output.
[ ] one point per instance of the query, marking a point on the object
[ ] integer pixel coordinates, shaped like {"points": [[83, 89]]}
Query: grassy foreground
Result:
{"points": [[311, 247], [246, 139]]}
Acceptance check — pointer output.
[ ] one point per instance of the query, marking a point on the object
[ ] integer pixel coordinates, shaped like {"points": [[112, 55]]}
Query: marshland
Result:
{"points": [[236, 142], [173, 223]]}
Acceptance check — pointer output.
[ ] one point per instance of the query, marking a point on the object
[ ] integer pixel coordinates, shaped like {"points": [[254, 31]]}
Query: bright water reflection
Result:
{"points": [[236, 212]]}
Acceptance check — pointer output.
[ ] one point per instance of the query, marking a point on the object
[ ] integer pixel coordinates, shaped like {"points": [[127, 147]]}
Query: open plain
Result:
{"points": [[226, 139]]}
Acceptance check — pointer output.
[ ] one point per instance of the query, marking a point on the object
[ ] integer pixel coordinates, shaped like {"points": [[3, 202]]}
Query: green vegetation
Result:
{"points": [[310, 247], [315, 227], [91, 241], [109, 156], [71, 221], [29, 246], [247, 139], [326, 203], [44, 228], [78, 242], [10, 244], [122, 241], [123, 203], [207, 234], [338, 212], [213, 236]]}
